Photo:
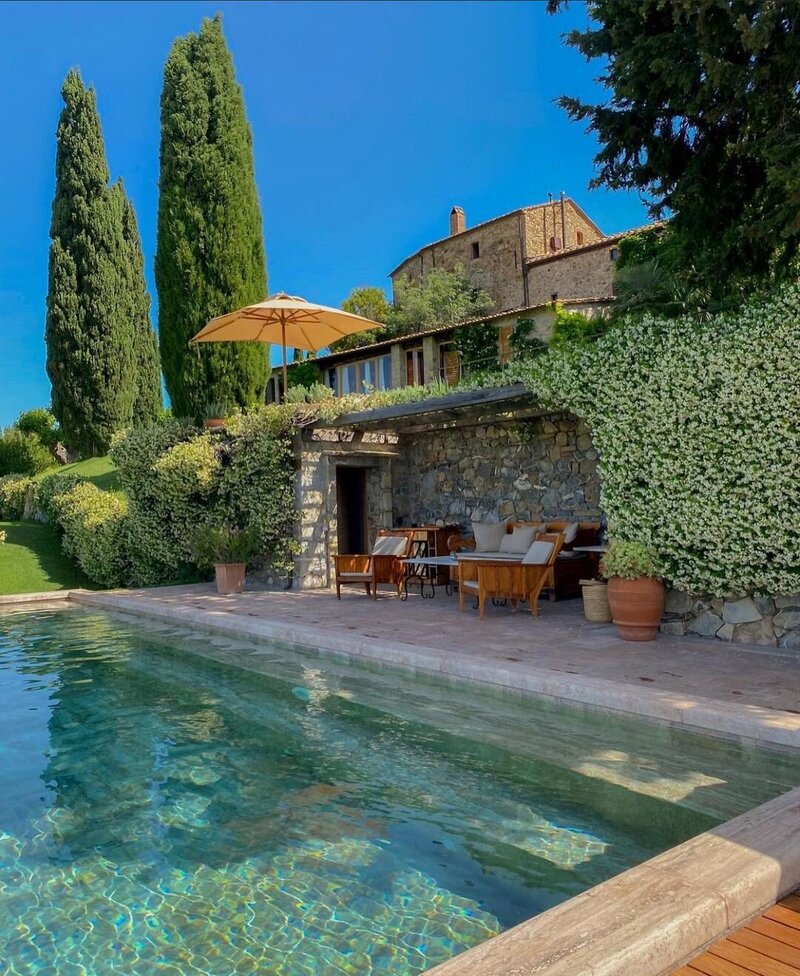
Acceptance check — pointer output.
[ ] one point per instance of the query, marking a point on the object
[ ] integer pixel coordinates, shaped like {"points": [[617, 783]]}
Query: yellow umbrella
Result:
{"points": [[286, 319]]}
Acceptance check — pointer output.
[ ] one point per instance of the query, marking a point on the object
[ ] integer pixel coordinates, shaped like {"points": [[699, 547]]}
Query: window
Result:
{"points": [[449, 364], [613, 253], [476, 250], [515, 258], [554, 296], [371, 374], [579, 238], [415, 369]]}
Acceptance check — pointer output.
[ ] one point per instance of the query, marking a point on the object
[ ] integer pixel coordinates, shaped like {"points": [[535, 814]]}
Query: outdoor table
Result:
{"points": [[422, 570]]}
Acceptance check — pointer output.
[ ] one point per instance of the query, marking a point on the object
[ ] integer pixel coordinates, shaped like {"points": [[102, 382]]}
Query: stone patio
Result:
{"points": [[751, 692]]}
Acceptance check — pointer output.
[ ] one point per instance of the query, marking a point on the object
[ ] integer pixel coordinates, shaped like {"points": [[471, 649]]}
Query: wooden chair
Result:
{"points": [[504, 580], [382, 565]]}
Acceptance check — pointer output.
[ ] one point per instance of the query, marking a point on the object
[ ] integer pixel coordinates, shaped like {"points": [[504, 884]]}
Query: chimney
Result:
{"points": [[458, 222]]}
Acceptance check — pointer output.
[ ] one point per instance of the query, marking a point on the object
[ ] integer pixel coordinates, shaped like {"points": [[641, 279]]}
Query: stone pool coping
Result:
{"points": [[648, 920], [764, 726]]}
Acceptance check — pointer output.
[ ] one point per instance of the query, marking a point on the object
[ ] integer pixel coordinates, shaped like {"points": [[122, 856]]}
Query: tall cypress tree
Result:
{"points": [[95, 300], [148, 403], [210, 257]]}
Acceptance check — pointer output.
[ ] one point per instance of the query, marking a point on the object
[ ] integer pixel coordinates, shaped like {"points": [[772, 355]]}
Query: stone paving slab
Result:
{"points": [[730, 689]]}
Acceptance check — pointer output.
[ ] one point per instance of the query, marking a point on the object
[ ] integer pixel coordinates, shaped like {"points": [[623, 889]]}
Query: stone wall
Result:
{"points": [[544, 222], [753, 619], [527, 469], [585, 274]]}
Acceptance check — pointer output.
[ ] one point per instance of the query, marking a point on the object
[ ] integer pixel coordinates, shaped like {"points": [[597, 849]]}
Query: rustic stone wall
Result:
{"points": [[752, 619], [585, 274], [544, 222], [319, 452], [539, 468]]}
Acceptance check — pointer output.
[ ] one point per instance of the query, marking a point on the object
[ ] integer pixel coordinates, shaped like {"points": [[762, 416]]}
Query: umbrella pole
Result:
{"points": [[283, 345]]}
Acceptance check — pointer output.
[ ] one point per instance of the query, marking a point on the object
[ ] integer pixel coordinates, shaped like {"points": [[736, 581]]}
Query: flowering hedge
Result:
{"points": [[698, 429]]}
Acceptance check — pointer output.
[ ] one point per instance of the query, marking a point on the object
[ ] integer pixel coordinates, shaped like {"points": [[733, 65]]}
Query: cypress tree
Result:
{"points": [[148, 403], [210, 256], [97, 304]]}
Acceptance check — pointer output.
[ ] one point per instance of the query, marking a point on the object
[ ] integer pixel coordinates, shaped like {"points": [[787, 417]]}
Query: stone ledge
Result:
{"points": [[750, 722], [653, 918]]}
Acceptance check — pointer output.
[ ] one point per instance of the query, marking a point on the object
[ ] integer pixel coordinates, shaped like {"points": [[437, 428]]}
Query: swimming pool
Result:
{"points": [[164, 812]]}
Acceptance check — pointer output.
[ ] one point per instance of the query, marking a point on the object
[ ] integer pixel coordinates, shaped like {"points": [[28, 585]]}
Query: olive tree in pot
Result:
{"points": [[228, 550], [635, 589], [215, 414]]}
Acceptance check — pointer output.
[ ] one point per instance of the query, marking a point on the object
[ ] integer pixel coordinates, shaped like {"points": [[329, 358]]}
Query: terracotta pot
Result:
{"points": [[214, 423], [230, 577], [637, 606]]}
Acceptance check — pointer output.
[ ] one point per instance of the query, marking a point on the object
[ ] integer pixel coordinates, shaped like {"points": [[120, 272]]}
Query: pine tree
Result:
{"points": [[96, 304], [210, 257], [148, 403]]}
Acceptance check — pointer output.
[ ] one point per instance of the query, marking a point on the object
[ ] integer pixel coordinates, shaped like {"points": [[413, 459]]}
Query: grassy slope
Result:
{"points": [[31, 560], [100, 471]]}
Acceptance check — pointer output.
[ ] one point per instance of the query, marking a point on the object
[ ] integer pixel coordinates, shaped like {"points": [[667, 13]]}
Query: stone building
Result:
{"points": [[489, 454], [498, 252]]}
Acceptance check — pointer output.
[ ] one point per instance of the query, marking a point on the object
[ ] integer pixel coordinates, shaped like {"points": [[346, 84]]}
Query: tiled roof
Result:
{"points": [[484, 223], [385, 344]]}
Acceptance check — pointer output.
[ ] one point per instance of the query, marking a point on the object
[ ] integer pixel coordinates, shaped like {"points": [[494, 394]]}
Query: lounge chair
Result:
{"points": [[502, 579], [382, 565]]}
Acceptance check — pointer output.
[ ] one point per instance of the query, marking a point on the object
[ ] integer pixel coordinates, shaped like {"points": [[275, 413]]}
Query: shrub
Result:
{"points": [[13, 491], [23, 453], [94, 525], [697, 423], [2, 538], [49, 487], [631, 560], [574, 328], [40, 422], [477, 346]]}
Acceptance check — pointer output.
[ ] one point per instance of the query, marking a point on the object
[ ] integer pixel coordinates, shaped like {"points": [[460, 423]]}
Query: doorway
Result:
{"points": [[351, 509]]}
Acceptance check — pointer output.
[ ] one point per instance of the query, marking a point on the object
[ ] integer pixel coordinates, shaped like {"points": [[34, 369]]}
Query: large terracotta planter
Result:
{"points": [[230, 577], [637, 606], [214, 423]]}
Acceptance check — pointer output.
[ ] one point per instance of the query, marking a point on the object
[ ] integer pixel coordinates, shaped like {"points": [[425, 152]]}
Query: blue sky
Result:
{"points": [[370, 120]]}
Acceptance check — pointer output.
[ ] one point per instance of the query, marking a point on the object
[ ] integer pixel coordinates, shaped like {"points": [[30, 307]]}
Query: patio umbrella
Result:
{"points": [[286, 319]]}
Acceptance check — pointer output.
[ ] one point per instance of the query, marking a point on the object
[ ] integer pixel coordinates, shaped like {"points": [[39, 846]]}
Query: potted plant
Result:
{"points": [[635, 589], [228, 550], [214, 415]]}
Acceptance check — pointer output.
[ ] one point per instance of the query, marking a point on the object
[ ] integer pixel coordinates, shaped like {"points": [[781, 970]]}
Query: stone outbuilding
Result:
{"points": [[481, 455]]}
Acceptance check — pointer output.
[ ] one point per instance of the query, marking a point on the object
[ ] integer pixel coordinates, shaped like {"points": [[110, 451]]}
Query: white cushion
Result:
{"points": [[488, 535], [510, 557], [469, 585], [520, 540], [390, 545], [538, 554], [569, 532], [355, 576]]}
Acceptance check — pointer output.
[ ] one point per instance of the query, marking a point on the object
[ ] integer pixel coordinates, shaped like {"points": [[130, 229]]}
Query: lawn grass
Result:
{"points": [[101, 471], [31, 560]]}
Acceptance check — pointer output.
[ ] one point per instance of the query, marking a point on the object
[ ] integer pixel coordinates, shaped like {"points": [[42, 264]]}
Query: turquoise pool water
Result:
{"points": [[162, 812]]}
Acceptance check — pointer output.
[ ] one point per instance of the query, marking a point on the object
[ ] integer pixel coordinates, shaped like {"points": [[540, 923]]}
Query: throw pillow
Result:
{"points": [[538, 554], [519, 540], [569, 531], [488, 535]]}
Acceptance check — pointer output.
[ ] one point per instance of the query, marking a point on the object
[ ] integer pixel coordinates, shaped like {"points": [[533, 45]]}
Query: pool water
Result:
{"points": [[165, 812]]}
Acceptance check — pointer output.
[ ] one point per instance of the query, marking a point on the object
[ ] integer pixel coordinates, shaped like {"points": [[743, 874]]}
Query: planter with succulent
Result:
{"points": [[214, 415], [228, 550], [635, 589]]}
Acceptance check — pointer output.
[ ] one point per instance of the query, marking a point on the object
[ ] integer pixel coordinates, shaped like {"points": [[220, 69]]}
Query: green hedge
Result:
{"points": [[94, 523], [13, 489], [49, 487], [698, 428]]}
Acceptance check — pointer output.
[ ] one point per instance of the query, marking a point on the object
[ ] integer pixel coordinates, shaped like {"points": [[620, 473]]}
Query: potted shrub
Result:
{"points": [[214, 415], [228, 550], [635, 589]]}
